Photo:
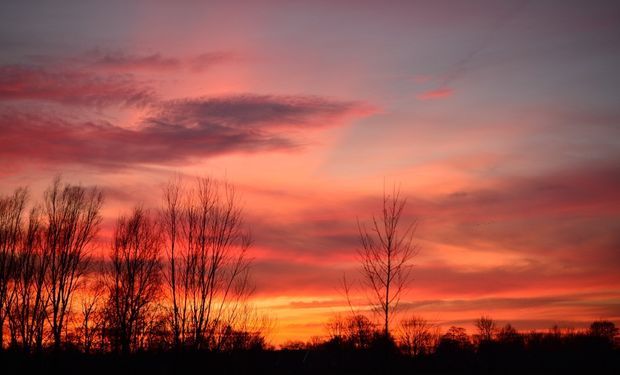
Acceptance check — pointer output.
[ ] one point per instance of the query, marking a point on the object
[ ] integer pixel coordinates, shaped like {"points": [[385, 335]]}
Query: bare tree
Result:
{"points": [[133, 280], [29, 307], [91, 317], [486, 328], [207, 263], [418, 336], [11, 227], [355, 331], [248, 332], [171, 221], [72, 214], [386, 252]]}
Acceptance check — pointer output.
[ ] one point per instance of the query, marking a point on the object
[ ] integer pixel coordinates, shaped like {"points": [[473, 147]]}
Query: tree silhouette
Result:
{"points": [[72, 221], [11, 213], [454, 340], [171, 222], [417, 336], [28, 313], [133, 279], [386, 252], [92, 316], [603, 329], [207, 264], [355, 331], [486, 328]]}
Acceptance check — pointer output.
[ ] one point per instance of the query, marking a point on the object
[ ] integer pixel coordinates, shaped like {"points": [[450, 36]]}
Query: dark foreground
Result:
{"points": [[584, 359]]}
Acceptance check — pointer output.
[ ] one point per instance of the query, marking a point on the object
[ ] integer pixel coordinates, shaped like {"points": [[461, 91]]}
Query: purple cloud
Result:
{"points": [[175, 131]]}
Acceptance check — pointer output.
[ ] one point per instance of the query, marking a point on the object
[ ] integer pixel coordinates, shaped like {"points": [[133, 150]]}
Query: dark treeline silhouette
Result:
{"points": [[356, 345], [171, 296]]}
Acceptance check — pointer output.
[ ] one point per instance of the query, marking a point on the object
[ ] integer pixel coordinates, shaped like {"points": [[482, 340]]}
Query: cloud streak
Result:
{"points": [[120, 61], [175, 131], [435, 94], [71, 87], [256, 111]]}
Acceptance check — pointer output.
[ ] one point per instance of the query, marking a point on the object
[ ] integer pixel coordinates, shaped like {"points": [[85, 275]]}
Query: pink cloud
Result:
{"points": [[209, 59], [69, 86], [435, 94]]}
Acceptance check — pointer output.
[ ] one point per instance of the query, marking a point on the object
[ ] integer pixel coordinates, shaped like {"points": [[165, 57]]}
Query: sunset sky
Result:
{"points": [[499, 120]]}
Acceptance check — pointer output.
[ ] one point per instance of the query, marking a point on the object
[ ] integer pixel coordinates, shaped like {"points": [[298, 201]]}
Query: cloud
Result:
{"points": [[277, 278], [549, 233], [256, 112], [559, 214], [516, 303], [517, 279], [176, 131], [123, 61], [435, 94], [209, 59], [71, 87]]}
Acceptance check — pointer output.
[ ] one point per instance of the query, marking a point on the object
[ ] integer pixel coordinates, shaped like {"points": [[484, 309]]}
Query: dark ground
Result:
{"points": [[580, 358]]}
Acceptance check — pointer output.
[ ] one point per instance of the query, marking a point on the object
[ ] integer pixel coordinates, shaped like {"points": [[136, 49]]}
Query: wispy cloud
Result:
{"points": [[123, 61], [71, 87], [435, 94]]}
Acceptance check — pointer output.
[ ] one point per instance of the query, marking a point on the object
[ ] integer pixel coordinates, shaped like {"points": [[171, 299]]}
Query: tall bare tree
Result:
{"points": [[208, 266], [386, 252], [28, 311], [72, 221], [11, 227], [171, 221], [134, 278]]}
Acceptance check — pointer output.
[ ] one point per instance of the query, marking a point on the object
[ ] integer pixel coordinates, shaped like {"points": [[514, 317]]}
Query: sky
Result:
{"points": [[498, 120]]}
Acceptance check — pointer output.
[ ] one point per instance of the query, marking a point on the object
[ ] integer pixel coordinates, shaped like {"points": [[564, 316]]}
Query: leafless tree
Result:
{"points": [[72, 221], [356, 330], [207, 263], [171, 222], [486, 328], [248, 332], [418, 336], [134, 279], [386, 253], [29, 307], [91, 317], [11, 227]]}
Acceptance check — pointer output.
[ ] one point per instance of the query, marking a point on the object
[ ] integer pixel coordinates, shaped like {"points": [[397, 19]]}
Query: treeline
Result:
{"points": [[174, 278], [355, 344], [417, 337]]}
